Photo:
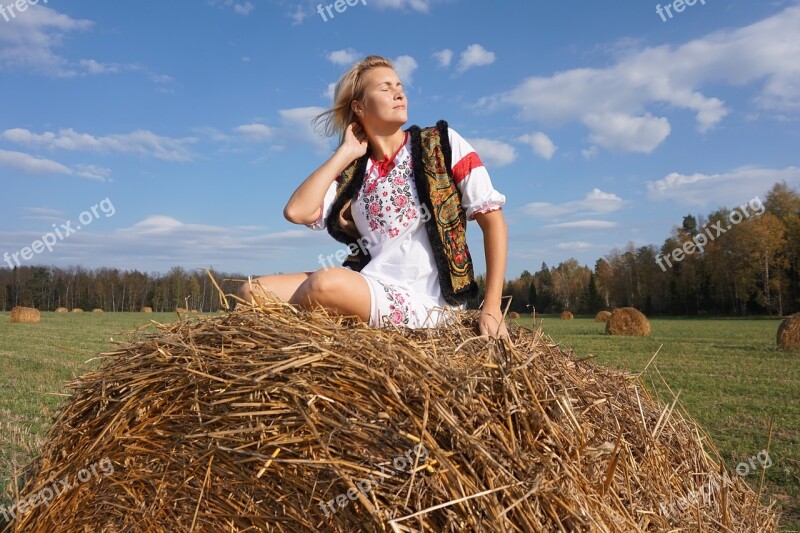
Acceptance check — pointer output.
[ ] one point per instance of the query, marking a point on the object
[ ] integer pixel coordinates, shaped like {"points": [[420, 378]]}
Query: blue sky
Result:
{"points": [[601, 123]]}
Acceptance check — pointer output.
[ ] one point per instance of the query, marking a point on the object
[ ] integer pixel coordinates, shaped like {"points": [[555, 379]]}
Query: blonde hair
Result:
{"points": [[349, 87]]}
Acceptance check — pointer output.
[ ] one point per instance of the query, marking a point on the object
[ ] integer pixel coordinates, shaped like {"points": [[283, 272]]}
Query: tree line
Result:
{"points": [[732, 261], [707, 265], [48, 288]]}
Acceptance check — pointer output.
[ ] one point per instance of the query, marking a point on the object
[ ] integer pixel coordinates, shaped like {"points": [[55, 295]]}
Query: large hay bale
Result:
{"points": [[513, 314], [97, 310], [147, 309], [788, 336], [25, 315], [627, 321], [263, 418], [566, 315], [62, 310], [77, 310], [602, 316]]}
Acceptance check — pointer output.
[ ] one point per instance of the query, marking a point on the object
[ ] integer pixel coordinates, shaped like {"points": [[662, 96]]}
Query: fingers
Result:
{"points": [[358, 131], [494, 330]]}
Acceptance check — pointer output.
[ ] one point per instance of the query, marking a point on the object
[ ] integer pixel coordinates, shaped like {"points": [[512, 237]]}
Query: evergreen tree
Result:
{"points": [[593, 300], [532, 296]]}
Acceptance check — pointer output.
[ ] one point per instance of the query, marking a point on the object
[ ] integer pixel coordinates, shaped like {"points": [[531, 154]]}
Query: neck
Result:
{"points": [[383, 146]]}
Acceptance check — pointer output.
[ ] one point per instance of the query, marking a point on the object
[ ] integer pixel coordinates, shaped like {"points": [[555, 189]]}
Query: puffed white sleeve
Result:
{"points": [[325, 208], [472, 179]]}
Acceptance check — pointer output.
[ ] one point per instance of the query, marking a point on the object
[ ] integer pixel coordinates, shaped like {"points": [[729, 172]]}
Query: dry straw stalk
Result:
{"points": [[251, 421]]}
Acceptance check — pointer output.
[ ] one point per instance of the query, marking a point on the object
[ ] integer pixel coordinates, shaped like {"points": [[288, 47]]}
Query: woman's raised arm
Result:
{"points": [[303, 207]]}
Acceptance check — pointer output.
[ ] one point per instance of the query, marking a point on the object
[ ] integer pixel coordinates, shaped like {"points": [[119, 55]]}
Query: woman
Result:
{"points": [[399, 279]]}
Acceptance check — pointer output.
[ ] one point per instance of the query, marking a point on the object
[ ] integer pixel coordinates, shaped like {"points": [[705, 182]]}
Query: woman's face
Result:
{"points": [[385, 103]]}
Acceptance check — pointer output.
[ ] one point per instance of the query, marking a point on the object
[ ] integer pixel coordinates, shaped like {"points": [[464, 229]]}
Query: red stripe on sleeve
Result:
{"points": [[467, 164]]}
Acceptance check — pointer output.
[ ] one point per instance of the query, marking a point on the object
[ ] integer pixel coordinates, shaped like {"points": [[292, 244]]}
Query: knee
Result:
{"points": [[244, 292], [323, 284]]}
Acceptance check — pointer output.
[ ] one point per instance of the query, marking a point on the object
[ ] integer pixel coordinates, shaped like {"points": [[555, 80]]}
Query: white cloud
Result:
{"points": [[625, 133], [93, 67], [765, 52], [541, 144], [161, 238], [297, 126], [496, 153], [240, 8], [141, 142], [155, 242], [330, 91], [405, 66], [30, 43], [596, 202], [93, 172], [590, 153], [345, 57], [298, 15], [729, 189], [29, 164], [256, 132], [577, 245], [584, 224], [243, 8], [43, 213], [475, 56], [422, 6], [443, 57]]}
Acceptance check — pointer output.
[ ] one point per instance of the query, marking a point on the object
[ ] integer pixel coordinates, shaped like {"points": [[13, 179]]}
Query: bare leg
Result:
{"points": [[283, 285], [338, 289]]}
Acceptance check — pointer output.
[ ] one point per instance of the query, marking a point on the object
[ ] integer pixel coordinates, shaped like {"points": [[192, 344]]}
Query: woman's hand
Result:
{"points": [[355, 140], [488, 323]]}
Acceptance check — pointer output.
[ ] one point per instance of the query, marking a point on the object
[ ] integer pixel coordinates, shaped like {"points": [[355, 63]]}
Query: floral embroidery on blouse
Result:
{"points": [[392, 201], [399, 312]]}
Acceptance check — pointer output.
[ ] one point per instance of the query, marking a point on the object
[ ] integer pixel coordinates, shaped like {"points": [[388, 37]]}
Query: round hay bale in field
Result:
{"points": [[195, 312], [62, 310], [147, 309], [77, 310], [627, 321], [97, 310], [238, 423], [513, 314], [788, 337], [181, 310], [602, 316], [25, 315], [566, 315]]}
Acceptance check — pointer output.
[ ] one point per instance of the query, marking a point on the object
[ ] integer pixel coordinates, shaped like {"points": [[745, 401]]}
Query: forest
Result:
{"points": [[750, 269]]}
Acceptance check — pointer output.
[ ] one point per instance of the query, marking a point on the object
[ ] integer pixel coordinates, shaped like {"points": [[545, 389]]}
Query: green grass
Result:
{"points": [[731, 379]]}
